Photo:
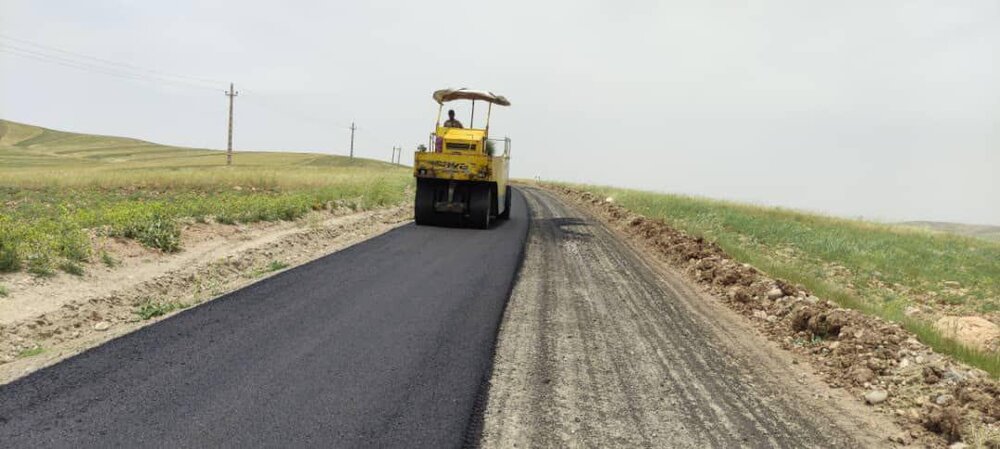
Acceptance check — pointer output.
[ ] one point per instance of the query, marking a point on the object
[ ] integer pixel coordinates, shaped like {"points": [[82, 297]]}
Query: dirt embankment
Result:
{"points": [[44, 320], [937, 400]]}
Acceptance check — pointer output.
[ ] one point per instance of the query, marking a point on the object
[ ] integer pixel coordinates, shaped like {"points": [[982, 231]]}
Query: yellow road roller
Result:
{"points": [[462, 173]]}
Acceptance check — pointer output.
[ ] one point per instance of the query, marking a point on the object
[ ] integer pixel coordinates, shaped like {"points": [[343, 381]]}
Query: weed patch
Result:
{"points": [[71, 268], [108, 260], [30, 352], [155, 309], [274, 265]]}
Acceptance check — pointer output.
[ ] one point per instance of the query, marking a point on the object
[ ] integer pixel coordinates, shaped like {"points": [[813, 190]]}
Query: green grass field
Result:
{"points": [[979, 231], [58, 190], [879, 269]]}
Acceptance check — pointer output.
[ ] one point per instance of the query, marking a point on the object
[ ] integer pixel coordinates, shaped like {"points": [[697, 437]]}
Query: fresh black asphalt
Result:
{"points": [[383, 344]]}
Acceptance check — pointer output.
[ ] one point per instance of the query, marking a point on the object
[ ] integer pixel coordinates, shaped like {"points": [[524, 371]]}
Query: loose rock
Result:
{"points": [[876, 396], [862, 375], [739, 294]]}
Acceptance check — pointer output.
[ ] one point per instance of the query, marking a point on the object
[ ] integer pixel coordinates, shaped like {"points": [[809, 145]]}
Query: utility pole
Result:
{"points": [[397, 154], [352, 138], [229, 145]]}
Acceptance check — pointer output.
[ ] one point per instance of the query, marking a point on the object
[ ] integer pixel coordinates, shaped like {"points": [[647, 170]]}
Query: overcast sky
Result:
{"points": [[888, 110]]}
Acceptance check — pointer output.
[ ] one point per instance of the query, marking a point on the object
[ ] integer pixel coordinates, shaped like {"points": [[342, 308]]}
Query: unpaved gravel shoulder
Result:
{"points": [[67, 315], [599, 348], [936, 400]]}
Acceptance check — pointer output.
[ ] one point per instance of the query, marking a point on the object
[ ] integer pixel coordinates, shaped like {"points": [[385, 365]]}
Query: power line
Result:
{"points": [[254, 97], [53, 59], [74, 65], [101, 61], [378, 141], [52, 55], [45, 53]]}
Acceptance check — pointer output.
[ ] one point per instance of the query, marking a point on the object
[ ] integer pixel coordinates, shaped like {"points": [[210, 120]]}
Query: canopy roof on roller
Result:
{"points": [[446, 95]]}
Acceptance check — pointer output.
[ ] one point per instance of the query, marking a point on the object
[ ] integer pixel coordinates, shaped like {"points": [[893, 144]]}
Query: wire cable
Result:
{"points": [[281, 110], [31, 50], [93, 60], [76, 65]]}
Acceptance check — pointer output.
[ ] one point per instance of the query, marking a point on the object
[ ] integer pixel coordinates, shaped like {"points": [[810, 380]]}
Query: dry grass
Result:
{"points": [[58, 188]]}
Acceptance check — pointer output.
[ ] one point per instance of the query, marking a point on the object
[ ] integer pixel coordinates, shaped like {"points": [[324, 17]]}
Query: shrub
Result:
{"points": [[157, 232], [72, 242], [153, 229], [10, 260]]}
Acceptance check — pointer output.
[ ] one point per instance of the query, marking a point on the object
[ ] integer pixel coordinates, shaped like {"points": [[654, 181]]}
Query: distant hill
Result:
{"points": [[987, 232], [27, 146]]}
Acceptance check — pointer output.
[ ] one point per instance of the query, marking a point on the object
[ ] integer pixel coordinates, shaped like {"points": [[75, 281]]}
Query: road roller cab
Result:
{"points": [[462, 173]]}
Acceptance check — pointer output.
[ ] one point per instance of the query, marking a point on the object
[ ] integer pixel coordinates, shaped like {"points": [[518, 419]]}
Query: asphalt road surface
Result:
{"points": [[383, 344]]}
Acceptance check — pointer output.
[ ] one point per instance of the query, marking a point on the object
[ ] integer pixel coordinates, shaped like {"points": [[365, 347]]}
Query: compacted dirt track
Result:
{"points": [[600, 349]]}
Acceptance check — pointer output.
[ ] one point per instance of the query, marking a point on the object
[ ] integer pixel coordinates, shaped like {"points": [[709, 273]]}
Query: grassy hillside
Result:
{"points": [[979, 231], [59, 189], [904, 274]]}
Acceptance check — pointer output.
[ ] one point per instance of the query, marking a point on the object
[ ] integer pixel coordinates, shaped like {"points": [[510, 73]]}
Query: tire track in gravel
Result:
{"points": [[600, 349]]}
